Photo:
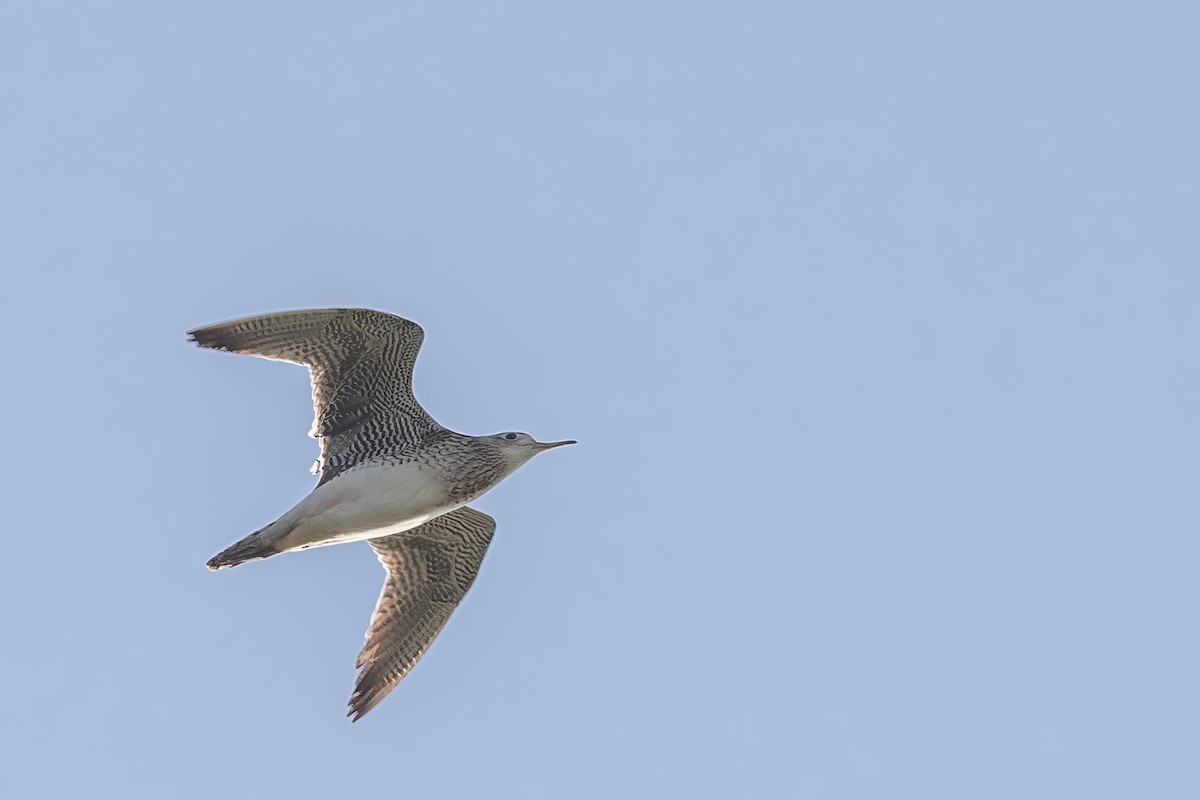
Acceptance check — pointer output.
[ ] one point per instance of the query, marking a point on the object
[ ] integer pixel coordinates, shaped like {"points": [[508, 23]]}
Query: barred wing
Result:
{"points": [[430, 569], [361, 363]]}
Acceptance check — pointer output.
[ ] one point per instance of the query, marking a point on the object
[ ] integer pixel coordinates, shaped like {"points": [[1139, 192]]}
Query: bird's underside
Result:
{"points": [[361, 364]]}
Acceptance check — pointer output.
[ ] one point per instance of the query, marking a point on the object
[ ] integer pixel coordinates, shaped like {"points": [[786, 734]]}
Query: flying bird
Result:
{"points": [[387, 473]]}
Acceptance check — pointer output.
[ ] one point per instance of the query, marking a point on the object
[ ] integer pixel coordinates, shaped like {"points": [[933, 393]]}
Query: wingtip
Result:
{"points": [[194, 336], [362, 702], [201, 337]]}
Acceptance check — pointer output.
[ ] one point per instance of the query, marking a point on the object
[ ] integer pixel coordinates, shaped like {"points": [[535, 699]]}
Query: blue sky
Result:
{"points": [[876, 324]]}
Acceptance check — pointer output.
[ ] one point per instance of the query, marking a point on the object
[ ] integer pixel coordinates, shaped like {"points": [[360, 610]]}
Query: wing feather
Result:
{"points": [[361, 364], [429, 570]]}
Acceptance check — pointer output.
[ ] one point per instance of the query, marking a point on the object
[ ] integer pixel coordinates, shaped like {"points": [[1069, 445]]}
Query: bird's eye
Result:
{"points": [[510, 436]]}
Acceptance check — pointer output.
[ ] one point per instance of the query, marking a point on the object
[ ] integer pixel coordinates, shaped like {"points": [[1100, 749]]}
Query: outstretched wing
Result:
{"points": [[361, 362], [430, 569]]}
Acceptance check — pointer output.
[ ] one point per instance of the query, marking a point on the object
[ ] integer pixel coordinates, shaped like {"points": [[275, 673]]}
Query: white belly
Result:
{"points": [[365, 503]]}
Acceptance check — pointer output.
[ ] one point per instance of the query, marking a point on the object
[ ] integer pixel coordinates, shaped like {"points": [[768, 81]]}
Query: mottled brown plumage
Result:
{"points": [[429, 571], [361, 363], [388, 474]]}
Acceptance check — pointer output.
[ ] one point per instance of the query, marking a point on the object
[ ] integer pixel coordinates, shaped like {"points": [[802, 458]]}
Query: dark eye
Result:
{"points": [[510, 436]]}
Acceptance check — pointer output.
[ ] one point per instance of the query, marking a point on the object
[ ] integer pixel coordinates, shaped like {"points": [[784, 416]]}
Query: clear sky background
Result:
{"points": [[876, 322]]}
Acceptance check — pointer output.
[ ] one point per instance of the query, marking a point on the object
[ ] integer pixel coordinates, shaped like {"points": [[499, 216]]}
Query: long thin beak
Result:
{"points": [[551, 445]]}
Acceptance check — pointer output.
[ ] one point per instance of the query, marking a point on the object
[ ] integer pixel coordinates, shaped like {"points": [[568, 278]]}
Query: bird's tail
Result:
{"points": [[254, 546]]}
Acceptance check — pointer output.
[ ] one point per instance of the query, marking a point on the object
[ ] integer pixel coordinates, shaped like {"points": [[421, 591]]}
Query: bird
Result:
{"points": [[388, 474]]}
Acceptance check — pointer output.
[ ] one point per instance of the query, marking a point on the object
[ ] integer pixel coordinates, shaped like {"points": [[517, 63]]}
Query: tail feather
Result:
{"points": [[251, 548]]}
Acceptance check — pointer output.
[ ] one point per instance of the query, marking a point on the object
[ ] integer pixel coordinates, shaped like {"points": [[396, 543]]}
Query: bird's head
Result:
{"points": [[520, 447]]}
